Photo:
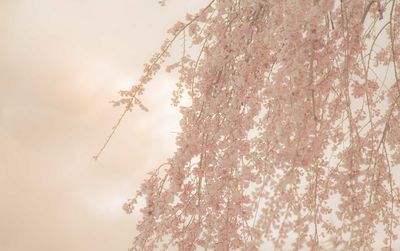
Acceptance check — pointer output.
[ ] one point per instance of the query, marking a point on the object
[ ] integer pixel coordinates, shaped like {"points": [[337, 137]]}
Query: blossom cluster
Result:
{"points": [[293, 132]]}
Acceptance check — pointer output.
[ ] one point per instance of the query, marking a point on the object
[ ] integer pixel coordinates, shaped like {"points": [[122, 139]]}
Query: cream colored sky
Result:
{"points": [[61, 61]]}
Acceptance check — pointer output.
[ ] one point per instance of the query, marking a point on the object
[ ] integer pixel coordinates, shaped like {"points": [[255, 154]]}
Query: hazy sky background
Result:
{"points": [[61, 62]]}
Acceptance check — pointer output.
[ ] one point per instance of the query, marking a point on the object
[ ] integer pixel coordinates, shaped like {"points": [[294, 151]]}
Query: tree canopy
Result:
{"points": [[292, 134]]}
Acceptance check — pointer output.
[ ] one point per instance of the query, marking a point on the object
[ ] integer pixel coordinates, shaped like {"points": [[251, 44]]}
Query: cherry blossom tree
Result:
{"points": [[292, 134]]}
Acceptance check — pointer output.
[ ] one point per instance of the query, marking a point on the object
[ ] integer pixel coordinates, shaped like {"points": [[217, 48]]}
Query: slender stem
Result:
{"points": [[155, 61]]}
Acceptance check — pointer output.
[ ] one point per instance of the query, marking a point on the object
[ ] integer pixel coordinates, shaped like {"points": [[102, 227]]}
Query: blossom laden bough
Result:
{"points": [[292, 136]]}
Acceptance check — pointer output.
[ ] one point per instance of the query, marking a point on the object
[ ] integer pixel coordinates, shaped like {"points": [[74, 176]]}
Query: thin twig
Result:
{"points": [[133, 98]]}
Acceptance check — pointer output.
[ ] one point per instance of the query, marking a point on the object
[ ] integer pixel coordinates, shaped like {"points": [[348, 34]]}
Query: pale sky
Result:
{"points": [[61, 62]]}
